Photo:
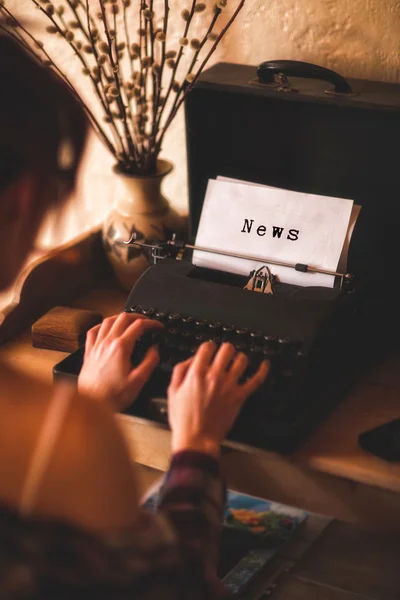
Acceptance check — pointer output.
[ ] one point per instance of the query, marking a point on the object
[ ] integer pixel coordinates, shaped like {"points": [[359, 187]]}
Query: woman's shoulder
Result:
{"points": [[88, 476]]}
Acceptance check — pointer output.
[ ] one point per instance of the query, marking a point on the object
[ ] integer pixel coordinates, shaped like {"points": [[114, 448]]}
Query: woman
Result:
{"points": [[70, 522]]}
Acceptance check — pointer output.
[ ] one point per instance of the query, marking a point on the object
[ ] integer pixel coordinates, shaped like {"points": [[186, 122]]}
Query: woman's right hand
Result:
{"points": [[205, 397]]}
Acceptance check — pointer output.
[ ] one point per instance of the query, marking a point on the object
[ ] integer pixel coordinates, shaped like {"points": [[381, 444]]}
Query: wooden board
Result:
{"points": [[63, 328], [355, 559]]}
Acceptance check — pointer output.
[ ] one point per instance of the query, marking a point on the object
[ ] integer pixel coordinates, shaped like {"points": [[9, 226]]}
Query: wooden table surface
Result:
{"points": [[331, 474]]}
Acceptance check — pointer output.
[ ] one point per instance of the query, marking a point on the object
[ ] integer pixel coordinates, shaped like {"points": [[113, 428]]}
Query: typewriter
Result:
{"points": [[300, 330], [332, 142]]}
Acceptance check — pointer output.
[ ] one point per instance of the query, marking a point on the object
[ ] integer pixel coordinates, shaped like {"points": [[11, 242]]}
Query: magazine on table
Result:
{"points": [[253, 532]]}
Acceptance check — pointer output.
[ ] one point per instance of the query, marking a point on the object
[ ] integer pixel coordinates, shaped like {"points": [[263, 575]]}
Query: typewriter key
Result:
{"points": [[242, 332], [148, 312], [161, 315], [173, 331], [201, 324], [174, 317], [135, 309], [270, 339], [214, 327], [284, 341], [188, 320], [228, 328], [241, 347], [256, 355], [256, 335], [201, 337]]}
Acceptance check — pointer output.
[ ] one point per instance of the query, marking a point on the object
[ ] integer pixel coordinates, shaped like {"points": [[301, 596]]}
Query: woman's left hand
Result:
{"points": [[107, 373]]}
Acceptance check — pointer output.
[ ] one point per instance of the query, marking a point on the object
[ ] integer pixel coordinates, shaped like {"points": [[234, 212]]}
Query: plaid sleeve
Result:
{"points": [[193, 499]]}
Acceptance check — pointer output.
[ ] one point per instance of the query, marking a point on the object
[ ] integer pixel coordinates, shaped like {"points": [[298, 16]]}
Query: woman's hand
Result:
{"points": [[107, 372], [205, 397]]}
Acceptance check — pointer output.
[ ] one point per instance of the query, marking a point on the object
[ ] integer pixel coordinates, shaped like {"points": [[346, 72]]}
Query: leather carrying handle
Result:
{"points": [[293, 68]]}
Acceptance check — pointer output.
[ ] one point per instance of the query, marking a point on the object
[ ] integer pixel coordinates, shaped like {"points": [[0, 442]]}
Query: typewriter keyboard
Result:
{"points": [[183, 335]]}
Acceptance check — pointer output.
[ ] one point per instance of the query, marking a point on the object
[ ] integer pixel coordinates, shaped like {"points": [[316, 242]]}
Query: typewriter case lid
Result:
{"points": [[301, 134]]}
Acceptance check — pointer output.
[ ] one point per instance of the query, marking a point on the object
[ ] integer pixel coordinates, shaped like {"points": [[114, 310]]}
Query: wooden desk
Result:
{"points": [[329, 475]]}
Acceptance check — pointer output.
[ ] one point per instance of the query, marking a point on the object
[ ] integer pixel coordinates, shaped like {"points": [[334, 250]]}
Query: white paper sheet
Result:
{"points": [[272, 223], [355, 212]]}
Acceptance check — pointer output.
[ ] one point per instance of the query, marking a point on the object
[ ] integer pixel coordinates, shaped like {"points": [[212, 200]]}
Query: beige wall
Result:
{"points": [[359, 38]]}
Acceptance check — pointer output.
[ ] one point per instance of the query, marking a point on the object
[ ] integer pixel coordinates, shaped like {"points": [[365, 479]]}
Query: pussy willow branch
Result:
{"points": [[125, 153], [175, 69], [194, 60], [199, 71], [138, 85], [102, 98], [154, 75], [76, 52], [120, 99], [149, 43], [203, 41], [216, 43], [115, 69], [145, 70], [128, 43], [131, 97], [160, 75], [75, 12], [102, 73], [143, 110], [141, 81]]}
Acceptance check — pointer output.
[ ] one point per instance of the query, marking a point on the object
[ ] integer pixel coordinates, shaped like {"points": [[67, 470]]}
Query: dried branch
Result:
{"points": [[190, 77], [135, 83], [200, 70], [190, 15]]}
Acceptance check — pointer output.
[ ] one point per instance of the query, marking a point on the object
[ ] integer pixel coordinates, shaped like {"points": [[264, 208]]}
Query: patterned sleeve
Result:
{"points": [[193, 499], [171, 555]]}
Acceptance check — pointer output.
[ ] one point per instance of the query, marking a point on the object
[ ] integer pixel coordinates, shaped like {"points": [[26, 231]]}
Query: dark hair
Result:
{"points": [[37, 112]]}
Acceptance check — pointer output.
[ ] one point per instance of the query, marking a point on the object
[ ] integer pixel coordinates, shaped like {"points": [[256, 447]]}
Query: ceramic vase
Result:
{"points": [[139, 208]]}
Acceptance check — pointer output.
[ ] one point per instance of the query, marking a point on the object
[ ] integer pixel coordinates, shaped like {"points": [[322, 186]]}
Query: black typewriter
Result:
{"points": [[298, 329], [332, 140]]}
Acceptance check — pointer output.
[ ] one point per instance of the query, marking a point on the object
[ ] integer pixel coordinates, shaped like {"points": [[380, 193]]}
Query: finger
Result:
{"points": [[141, 374], [91, 337], [105, 327], [179, 373], [204, 355], [239, 365], [123, 321], [223, 357], [136, 329], [256, 380]]}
